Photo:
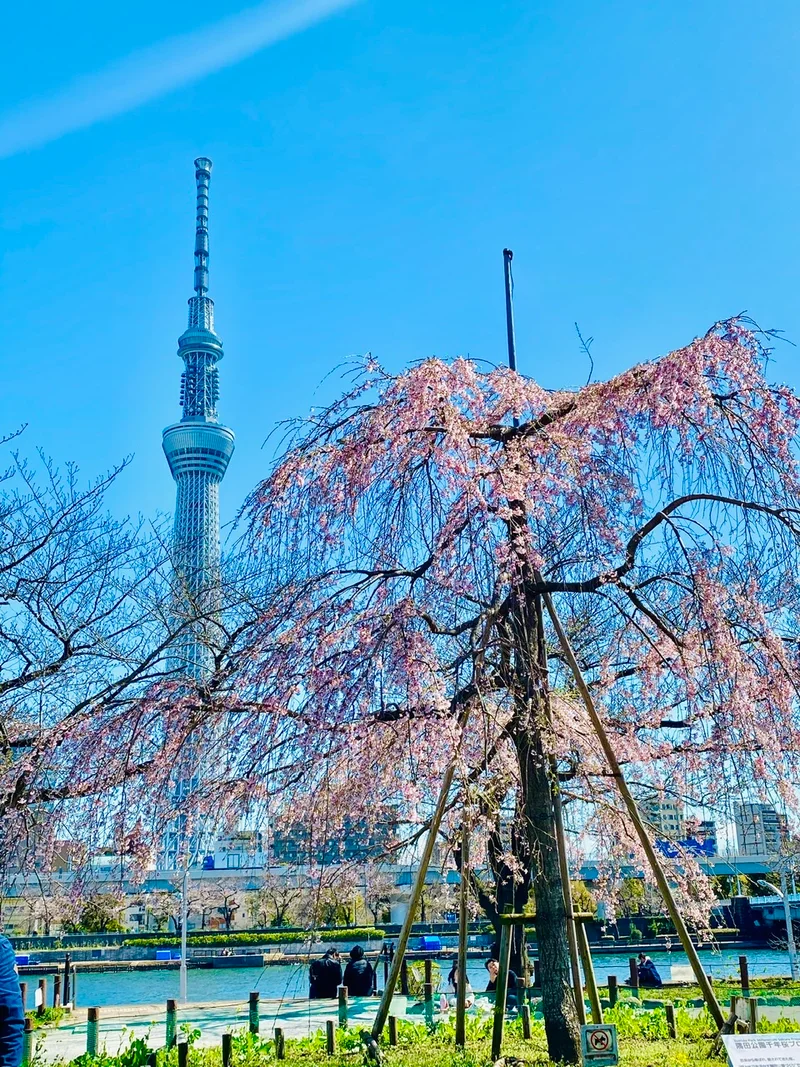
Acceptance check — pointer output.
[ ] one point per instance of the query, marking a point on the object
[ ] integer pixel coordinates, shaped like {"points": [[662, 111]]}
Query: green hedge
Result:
{"points": [[272, 937]]}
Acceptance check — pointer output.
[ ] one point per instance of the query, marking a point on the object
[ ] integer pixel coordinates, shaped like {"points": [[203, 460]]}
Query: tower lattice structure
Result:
{"points": [[198, 450]]}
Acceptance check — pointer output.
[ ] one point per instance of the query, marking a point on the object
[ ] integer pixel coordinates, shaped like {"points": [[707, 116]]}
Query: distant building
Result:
{"points": [[665, 817], [707, 832], [759, 829], [298, 846]]}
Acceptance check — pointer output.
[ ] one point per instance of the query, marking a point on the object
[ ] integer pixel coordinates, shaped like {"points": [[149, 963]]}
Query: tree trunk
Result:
{"points": [[558, 1002]]}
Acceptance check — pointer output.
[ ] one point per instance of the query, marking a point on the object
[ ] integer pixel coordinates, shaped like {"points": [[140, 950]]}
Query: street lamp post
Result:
{"points": [[184, 995], [787, 911]]}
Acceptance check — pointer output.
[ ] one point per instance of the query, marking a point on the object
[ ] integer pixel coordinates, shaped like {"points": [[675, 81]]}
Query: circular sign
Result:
{"points": [[599, 1040]]}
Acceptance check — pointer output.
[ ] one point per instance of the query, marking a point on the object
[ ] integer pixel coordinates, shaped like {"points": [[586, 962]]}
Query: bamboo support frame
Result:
{"points": [[658, 871]]}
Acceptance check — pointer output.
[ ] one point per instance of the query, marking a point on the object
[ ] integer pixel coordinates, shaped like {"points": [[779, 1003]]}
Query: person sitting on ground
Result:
{"points": [[648, 975], [359, 976], [452, 980], [493, 967], [12, 1014], [325, 976]]}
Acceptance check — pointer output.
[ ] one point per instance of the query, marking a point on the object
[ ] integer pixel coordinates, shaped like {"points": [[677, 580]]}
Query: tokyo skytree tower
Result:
{"points": [[198, 450]]}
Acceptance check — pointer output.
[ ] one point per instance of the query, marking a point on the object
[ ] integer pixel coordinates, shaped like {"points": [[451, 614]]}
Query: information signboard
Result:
{"points": [[599, 1046], [763, 1050]]}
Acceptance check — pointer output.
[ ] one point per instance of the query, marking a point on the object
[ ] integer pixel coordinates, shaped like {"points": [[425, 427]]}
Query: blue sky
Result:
{"points": [[641, 159]]}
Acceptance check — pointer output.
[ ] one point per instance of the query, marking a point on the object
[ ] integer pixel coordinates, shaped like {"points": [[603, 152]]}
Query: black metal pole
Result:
{"points": [[508, 255]]}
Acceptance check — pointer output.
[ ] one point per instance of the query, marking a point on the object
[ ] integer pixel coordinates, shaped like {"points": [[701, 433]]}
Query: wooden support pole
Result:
{"points": [[752, 1015], [588, 973], [744, 975], [172, 1023], [330, 1037], [227, 1043], [501, 991], [342, 994], [254, 1013], [280, 1044], [419, 881], [563, 864], [613, 990], [672, 1028], [183, 1053], [633, 811], [633, 975], [403, 978], [463, 938], [27, 1043], [92, 1031], [392, 1030], [42, 997]]}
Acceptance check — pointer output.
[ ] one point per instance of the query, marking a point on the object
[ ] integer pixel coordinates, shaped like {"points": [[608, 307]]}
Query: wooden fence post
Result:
{"points": [[227, 1040], [613, 990], [744, 974], [633, 980], [27, 1043], [23, 992], [56, 990], [404, 978], [280, 1044], [172, 1023], [330, 1037], [67, 975], [92, 1030], [428, 1002], [672, 1028], [42, 997], [254, 1015], [183, 1053], [342, 991], [752, 1014], [392, 1030]]}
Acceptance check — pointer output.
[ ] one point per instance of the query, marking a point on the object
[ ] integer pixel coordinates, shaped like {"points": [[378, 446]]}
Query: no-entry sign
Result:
{"points": [[599, 1045]]}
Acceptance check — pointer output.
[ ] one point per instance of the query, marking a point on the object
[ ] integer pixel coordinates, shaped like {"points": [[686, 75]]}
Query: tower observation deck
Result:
{"points": [[198, 450]]}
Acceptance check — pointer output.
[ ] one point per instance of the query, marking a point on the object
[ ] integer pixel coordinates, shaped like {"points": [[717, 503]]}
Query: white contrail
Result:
{"points": [[151, 72]]}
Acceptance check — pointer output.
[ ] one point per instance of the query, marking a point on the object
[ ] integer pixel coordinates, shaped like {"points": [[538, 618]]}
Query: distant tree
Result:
{"points": [[278, 897]]}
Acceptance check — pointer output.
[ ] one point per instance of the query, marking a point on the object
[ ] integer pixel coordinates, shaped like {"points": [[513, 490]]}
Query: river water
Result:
{"points": [[285, 981]]}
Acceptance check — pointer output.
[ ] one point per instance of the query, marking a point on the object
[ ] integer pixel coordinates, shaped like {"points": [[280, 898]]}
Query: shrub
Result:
{"points": [[271, 937]]}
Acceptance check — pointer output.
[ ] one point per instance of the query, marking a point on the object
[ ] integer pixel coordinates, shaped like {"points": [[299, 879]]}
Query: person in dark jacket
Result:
{"points": [[325, 976], [648, 973], [12, 1015], [358, 974], [493, 967]]}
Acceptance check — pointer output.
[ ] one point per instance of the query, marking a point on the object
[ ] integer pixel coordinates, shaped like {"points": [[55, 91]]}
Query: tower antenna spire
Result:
{"points": [[202, 173]]}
